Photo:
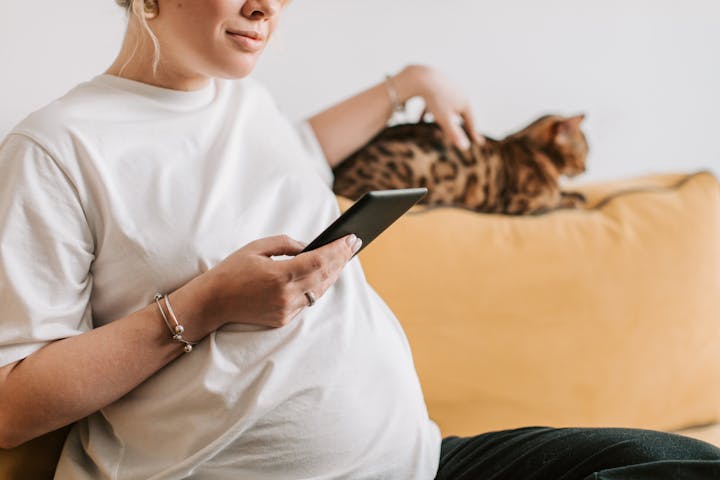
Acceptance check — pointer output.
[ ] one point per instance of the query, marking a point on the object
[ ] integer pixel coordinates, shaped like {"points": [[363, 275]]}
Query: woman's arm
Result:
{"points": [[71, 378], [347, 126]]}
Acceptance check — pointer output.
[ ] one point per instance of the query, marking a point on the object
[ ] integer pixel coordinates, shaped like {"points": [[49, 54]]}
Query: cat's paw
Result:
{"points": [[572, 200]]}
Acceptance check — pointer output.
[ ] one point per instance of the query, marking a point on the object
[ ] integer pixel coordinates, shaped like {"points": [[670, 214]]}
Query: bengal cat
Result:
{"points": [[517, 175]]}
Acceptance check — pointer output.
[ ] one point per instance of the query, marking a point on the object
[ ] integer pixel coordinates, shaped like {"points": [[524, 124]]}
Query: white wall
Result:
{"points": [[645, 71], [48, 46]]}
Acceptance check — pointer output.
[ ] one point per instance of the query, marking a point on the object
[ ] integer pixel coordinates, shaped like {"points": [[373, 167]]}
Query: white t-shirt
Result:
{"points": [[119, 190]]}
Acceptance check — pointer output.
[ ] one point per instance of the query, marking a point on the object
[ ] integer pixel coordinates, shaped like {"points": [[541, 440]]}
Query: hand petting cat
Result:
{"points": [[444, 101], [345, 127]]}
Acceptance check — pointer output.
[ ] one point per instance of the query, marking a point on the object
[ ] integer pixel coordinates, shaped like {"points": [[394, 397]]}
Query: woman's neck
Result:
{"points": [[136, 62]]}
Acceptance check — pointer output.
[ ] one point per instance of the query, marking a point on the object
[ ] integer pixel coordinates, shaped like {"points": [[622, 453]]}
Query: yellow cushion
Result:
{"points": [[706, 433], [602, 316]]}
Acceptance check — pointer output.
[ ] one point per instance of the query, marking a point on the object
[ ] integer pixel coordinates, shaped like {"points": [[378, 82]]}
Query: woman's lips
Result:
{"points": [[247, 40]]}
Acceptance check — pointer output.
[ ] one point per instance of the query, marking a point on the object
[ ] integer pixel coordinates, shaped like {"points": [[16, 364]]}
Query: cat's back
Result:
{"points": [[413, 133], [398, 157]]}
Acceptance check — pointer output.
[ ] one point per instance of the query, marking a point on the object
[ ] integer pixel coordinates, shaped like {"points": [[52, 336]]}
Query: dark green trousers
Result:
{"points": [[540, 453]]}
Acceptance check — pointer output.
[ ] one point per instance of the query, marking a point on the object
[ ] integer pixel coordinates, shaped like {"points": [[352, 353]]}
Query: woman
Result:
{"points": [[147, 179]]}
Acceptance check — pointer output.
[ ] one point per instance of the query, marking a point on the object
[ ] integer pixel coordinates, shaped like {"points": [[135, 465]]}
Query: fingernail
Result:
{"points": [[356, 247], [350, 239], [480, 140], [464, 143]]}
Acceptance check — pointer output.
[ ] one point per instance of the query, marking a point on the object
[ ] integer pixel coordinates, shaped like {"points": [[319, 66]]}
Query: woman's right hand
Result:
{"points": [[250, 287]]}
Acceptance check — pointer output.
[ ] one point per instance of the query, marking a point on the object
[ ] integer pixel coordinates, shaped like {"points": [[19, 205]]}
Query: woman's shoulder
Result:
{"points": [[104, 106], [55, 120]]}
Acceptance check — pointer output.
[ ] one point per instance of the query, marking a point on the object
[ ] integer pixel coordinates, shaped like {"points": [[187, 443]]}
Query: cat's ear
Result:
{"points": [[565, 128]]}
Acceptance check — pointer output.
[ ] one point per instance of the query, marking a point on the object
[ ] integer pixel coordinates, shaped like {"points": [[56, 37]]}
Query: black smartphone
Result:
{"points": [[370, 216]]}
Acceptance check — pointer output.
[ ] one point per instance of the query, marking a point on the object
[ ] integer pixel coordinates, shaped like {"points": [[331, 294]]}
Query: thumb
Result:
{"points": [[347, 246], [277, 245]]}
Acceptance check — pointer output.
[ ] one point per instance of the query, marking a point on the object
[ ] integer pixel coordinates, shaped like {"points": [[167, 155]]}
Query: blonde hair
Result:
{"points": [[142, 10]]}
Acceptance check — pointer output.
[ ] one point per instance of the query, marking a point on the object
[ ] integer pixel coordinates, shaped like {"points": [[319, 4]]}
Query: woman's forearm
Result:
{"points": [[71, 378], [347, 126]]}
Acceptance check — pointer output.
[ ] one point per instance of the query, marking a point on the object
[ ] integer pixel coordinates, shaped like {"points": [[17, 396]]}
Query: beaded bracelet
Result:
{"points": [[178, 329], [397, 106]]}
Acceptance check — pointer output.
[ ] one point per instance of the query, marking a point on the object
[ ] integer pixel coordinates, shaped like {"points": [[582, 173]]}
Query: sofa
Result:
{"points": [[602, 316]]}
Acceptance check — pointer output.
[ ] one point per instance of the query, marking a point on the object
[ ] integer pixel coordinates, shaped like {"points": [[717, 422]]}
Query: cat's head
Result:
{"points": [[561, 139]]}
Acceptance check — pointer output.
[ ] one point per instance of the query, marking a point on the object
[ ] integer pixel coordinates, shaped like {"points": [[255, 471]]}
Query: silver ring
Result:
{"points": [[310, 298]]}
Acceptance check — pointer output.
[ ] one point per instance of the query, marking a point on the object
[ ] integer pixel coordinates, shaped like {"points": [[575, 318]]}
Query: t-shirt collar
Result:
{"points": [[177, 99]]}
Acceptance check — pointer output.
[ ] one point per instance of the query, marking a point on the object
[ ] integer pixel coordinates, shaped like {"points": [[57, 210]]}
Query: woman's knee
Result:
{"points": [[639, 446]]}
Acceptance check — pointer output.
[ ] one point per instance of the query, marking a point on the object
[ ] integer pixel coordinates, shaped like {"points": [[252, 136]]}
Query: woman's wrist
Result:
{"points": [[193, 306]]}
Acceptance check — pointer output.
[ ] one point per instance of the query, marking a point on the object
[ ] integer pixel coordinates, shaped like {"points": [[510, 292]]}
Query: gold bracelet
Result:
{"points": [[397, 106]]}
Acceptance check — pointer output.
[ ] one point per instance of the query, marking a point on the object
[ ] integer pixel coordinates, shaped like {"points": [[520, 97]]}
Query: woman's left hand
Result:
{"points": [[442, 99]]}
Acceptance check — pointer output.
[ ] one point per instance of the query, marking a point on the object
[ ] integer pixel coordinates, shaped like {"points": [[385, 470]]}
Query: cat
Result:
{"points": [[517, 175]]}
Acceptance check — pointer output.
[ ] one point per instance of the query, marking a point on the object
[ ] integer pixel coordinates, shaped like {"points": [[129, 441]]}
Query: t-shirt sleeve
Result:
{"points": [[315, 152], [46, 250], [301, 131]]}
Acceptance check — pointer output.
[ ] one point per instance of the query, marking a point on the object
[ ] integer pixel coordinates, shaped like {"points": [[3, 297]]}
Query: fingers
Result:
{"points": [[469, 125], [316, 271], [277, 245], [332, 256], [449, 107], [453, 130]]}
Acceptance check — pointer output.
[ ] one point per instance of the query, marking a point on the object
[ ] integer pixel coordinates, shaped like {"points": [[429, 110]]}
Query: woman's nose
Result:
{"points": [[257, 9]]}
